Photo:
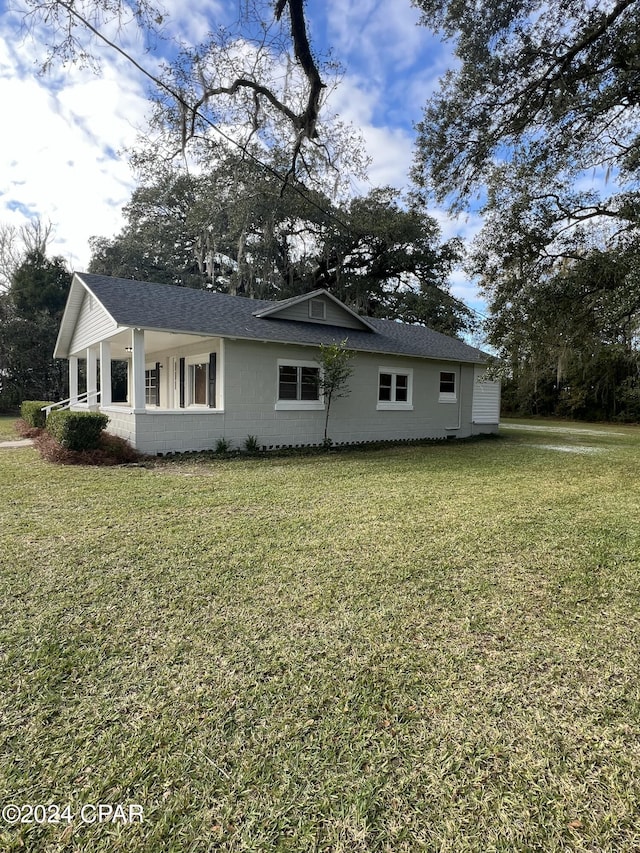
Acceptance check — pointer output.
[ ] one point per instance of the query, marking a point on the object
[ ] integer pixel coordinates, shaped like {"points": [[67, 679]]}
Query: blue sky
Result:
{"points": [[60, 158]]}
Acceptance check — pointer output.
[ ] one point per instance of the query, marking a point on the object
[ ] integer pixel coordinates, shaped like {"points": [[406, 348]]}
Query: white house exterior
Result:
{"points": [[203, 366]]}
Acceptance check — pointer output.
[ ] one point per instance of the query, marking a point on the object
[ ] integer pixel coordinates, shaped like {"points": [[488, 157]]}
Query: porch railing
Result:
{"points": [[71, 401]]}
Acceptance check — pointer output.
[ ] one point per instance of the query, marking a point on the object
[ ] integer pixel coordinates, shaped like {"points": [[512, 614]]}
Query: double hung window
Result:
{"points": [[152, 386], [298, 385], [447, 387], [195, 381], [395, 388]]}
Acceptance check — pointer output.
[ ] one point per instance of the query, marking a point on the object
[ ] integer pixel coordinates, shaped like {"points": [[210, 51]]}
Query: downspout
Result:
{"points": [[459, 400], [459, 396]]}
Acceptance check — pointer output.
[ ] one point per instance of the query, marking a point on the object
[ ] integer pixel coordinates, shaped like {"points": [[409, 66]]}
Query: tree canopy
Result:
{"points": [[233, 229], [555, 84], [30, 314], [256, 82], [537, 126]]}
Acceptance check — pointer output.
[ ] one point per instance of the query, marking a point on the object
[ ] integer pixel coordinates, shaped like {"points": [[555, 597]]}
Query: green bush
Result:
{"points": [[32, 414], [76, 430], [251, 444]]}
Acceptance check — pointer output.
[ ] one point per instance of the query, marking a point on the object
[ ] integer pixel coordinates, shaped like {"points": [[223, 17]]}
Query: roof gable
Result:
{"points": [[84, 321], [319, 306]]}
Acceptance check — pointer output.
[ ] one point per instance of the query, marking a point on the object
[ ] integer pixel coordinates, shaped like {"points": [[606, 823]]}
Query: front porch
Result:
{"points": [[171, 394]]}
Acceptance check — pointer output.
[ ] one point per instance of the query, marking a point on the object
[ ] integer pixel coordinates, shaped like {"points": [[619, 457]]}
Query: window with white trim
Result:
{"points": [[447, 387], [298, 385], [151, 379], [395, 388], [198, 383]]}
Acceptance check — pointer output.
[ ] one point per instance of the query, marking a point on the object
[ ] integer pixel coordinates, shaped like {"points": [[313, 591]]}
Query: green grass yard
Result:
{"points": [[7, 428], [419, 649]]}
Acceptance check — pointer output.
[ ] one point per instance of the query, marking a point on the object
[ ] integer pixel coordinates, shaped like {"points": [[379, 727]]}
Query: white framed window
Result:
{"points": [[198, 384], [195, 381], [151, 383], [298, 385], [448, 387], [395, 388]]}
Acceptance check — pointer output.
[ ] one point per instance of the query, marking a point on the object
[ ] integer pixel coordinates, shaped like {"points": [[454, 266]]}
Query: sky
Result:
{"points": [[61, 150]]}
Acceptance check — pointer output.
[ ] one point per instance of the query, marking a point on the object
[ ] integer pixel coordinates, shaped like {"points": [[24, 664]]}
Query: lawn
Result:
{"points": [[418, 649], [7, 427]]}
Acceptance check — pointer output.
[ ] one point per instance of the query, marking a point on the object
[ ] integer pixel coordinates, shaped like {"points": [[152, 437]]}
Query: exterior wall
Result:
{"points": [[158, 432], [249, 374], [251, 388], [93, 325], [486, 401]]}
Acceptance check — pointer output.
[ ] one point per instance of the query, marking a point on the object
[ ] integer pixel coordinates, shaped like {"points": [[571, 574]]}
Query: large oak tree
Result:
{"points": [[537, 125]]}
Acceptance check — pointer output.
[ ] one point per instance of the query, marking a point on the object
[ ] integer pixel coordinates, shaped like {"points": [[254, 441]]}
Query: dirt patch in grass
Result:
{"points": [[568, 448]]}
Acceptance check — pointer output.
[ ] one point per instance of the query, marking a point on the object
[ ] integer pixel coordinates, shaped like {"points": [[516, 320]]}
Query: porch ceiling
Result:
{"points": [[154, 342]]}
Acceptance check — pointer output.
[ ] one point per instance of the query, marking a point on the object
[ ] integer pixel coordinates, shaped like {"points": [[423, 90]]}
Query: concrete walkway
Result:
{"points": [[18, 442]]}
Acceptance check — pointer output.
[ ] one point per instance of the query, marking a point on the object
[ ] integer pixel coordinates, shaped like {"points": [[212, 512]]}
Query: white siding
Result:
{"points": [[94, 325], [486, 398]]}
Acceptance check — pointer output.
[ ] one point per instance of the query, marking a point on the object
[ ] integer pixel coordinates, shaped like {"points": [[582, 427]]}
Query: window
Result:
{"points": [[395, 389], [447, 387], [198, 381], [152, 386], [194, 381], [298, 385]]}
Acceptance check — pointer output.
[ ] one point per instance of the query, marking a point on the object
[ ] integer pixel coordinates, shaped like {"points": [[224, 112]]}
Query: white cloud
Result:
{"points": [[391, 152], [376, 32], [61, 159], [193, 21]]}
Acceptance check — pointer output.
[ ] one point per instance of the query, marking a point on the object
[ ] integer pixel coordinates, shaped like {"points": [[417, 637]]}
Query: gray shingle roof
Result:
{"points": [[164, 307]]}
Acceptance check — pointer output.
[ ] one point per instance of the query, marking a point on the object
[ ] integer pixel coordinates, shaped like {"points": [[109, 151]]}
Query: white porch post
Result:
{"points": [[73, 379], [137, 340], [92, 377], [105, 373]]}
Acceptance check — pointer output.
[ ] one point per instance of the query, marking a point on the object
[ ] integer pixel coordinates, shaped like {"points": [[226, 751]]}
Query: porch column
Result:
{"points": [[73, 378], [105, 373], [137, 341], [92, 377]]}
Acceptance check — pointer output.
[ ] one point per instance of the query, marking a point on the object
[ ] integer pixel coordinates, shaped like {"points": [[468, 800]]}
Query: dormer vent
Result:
{"points": [[317, 309]]}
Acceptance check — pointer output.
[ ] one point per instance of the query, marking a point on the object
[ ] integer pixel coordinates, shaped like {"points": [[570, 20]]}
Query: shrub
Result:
{"points": [[32, 414], [77, 430], [223, 445], [112, 450], [251, 444]]}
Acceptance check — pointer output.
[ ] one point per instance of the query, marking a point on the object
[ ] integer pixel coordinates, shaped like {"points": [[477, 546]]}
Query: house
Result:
{"points": [[203, 366]]}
